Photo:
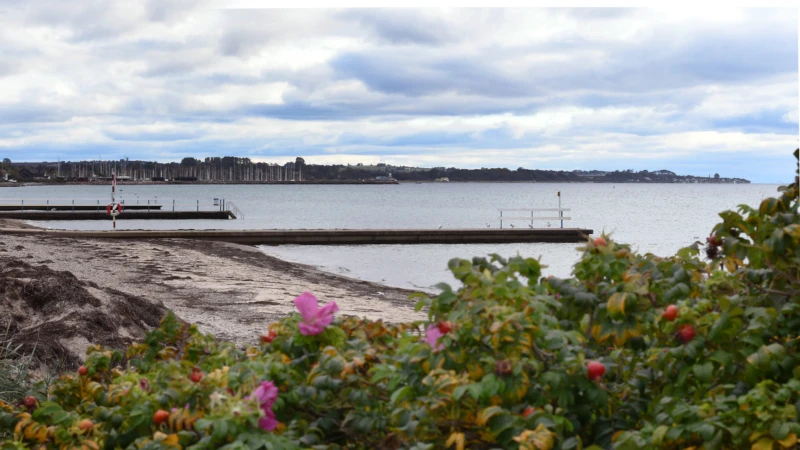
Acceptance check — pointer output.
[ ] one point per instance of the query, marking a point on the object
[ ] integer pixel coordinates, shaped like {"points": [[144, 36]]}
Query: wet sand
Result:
{"points": [[230, 290]]}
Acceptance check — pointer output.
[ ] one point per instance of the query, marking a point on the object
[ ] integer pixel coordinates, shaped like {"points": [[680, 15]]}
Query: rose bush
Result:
{"points": [[502, 362]]}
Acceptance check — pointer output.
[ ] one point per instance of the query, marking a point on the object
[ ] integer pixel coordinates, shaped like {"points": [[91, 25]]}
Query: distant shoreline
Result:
{"points": [[344, 182]]}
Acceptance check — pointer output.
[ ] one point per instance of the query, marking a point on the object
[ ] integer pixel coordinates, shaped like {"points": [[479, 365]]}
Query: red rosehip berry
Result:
{"points": [[600, 242], [86, 425], [686, 333], [29, 402], [527, 412], [671, 313], [445, 327], [82, 371], [196, 375], [160, 417], [595, 370]]}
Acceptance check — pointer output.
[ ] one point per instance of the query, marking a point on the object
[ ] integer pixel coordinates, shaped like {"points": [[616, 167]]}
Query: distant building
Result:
{"points": [[27, 174]]}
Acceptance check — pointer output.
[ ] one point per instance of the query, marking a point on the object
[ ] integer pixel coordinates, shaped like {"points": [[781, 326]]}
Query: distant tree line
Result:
{"points": [[233, 169]]}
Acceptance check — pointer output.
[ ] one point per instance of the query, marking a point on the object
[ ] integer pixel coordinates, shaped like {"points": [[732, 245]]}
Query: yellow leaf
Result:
{"points": [[788, 441], [172, 441], [764, 443], [596, 334], [539, 439], [89, 445], [616, 304], [475, 371], [487, 414], [456, 438]]}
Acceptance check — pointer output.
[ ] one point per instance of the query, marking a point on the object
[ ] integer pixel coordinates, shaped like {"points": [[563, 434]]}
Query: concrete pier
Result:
{"points": [[336, 237], [126, 215]]}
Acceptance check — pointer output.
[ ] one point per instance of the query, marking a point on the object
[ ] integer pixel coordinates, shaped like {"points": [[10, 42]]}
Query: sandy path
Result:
{"points": [[230, 290]]}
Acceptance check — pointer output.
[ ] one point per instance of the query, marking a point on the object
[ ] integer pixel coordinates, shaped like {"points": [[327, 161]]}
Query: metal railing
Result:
{"points": [[532, 217], [237, 213]]}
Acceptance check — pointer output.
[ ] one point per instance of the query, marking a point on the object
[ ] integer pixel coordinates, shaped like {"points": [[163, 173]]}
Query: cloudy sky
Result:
{"points": [[696, 92]]}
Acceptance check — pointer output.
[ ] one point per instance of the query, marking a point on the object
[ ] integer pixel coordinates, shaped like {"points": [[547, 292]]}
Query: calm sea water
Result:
{"points": [[655, 218]]}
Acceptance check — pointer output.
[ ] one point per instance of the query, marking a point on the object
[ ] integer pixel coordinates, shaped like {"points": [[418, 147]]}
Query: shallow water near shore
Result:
{"points": [[655, 218]]}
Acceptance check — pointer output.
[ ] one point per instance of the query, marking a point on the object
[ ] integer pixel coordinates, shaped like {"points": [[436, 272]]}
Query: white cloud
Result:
{"points": [[430, 86]]}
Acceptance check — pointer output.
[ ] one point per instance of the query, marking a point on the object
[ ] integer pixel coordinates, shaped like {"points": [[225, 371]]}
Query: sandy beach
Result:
{"points": [[230, 290]]}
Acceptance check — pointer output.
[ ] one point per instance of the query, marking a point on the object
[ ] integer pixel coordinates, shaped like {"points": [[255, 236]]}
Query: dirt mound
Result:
{"points": [[57, 316]]}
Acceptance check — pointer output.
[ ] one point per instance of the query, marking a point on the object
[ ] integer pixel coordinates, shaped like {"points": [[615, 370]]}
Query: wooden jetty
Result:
{"points": [[68, 207], [335, 237]]}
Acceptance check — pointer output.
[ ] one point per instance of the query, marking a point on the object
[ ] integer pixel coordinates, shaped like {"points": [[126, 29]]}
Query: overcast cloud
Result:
{"points": [[538, 88]]}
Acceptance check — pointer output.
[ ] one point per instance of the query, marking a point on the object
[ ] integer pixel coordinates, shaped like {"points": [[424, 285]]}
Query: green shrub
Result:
{"points": [[502, 362]]}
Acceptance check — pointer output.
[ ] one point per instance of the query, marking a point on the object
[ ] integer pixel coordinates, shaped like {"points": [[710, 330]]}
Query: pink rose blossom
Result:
{"points": [[266, 394], [432, 335], [268, 422], [315, 319]]}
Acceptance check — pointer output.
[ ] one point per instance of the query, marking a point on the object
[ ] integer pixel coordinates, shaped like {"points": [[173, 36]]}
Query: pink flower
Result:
{"points": [[266, 394], [268, 422], [432, 335], [315, 319]]}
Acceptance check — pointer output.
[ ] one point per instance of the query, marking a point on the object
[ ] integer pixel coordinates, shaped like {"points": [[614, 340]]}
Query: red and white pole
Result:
{"points": [[114, 208]]}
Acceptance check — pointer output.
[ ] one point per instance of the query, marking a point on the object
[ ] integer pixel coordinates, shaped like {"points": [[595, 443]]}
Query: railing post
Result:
{"points": [[501, 218], [198, 205], [23, 205], [148, 205], [173, 204], [73, 205]]}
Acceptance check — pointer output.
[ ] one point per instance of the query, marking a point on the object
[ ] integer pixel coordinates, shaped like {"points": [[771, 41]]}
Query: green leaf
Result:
{"points": [[401, 393], [779, 430], [658, 434], [475, 390], [719, 328], [705, 430], [704, 372], [459, 392], [569, 444], [723, 358]]}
